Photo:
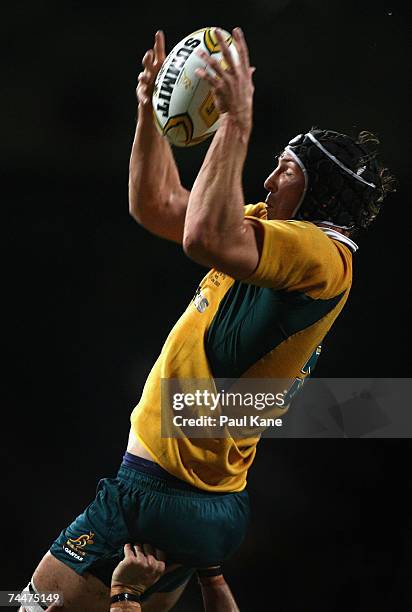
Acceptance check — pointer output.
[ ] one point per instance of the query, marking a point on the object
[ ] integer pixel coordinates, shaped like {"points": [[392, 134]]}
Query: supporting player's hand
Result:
{"points": [[152, 62], [140, 568], [232, 88]]}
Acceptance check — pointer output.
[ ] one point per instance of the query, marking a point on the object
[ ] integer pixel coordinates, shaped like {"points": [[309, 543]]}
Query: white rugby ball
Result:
{"points": [[183, 104]]}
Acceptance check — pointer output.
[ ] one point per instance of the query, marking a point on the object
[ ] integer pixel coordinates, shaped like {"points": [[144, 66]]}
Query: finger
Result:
{"points": [[158, 569], [206, 76], [225, 49], [148, 549], [155, 566], [147, 60], [159, 47], [151, 561], [128, 551], [214, 65], [144, 77], [138, 550], [241, 47]]}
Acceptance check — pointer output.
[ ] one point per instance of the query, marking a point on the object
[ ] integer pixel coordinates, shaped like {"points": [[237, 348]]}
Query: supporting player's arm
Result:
{"points": [[157, 199], [134, 574], [216, 231], [216, 594]]}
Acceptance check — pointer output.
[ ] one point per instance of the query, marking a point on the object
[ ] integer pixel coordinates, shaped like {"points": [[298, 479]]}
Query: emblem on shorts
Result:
{"points": [[77, 545], [200, 301]]}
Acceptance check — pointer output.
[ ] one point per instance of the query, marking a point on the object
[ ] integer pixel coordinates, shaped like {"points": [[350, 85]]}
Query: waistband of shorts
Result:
{"points": [[141, 471]]}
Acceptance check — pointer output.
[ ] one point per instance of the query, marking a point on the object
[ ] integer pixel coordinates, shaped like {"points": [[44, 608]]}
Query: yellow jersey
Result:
{"points": [[266, 326]]}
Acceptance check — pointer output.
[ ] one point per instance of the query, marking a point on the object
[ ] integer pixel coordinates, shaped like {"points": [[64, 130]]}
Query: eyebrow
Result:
{"points": [[286, 159]]}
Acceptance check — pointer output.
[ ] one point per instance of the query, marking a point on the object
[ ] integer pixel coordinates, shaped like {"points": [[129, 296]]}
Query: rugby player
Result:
{"points": [[280, 274]]}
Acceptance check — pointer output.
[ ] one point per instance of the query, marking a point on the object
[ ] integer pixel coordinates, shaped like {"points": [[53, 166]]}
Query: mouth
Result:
{"points": [[269, 201]]}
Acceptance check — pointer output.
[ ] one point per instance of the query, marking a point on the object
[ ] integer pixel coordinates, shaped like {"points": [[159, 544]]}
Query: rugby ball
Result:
{"points": [[183, 104]]}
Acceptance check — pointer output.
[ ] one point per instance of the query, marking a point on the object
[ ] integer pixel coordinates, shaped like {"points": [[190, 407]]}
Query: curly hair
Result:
{"points": [[346, 184]]}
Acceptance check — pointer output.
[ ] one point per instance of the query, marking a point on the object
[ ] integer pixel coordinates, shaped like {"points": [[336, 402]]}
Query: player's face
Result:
{"points": [[285, 186]]}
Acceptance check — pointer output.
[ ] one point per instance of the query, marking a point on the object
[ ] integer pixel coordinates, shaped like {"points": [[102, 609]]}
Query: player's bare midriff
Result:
{"points": [[136, 448]]}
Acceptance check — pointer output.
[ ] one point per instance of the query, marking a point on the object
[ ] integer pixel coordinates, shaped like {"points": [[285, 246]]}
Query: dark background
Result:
{"points": [[89, 297]]}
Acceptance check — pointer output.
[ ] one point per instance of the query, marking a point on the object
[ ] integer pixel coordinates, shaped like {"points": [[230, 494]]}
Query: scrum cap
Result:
{"points": [[343, 184]]}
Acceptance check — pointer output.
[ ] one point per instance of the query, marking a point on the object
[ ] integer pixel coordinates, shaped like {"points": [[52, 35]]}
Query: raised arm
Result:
{"points": [[216, 231], [157, 199]]}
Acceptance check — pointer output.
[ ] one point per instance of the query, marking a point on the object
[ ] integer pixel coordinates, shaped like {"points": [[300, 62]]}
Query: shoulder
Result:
{"points": [[296, 236], [299, 256]]}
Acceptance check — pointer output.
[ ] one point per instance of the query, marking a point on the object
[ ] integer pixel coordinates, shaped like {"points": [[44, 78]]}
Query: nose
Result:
{"points": [[271, 184]]}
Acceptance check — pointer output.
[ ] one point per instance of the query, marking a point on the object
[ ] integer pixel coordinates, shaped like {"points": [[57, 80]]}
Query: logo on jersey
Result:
{"points": [[200, 302], [77, 545]]}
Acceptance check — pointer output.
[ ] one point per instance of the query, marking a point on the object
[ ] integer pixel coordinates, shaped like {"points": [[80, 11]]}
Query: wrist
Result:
{"points": [[145, 111], [124, 597], [241, 123], [118, 588]]}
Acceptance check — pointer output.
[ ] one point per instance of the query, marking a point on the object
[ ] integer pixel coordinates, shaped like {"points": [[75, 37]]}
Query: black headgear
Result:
{"points": [[342, 181]]}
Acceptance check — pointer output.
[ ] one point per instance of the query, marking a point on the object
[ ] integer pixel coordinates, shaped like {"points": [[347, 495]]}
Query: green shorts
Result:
{"points": [[195, 528]]}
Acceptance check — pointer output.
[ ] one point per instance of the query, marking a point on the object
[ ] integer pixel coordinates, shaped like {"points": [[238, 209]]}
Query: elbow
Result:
{"points": [[191, 244], [198, 246], [133, 208], [134, 212], [137, 201]]}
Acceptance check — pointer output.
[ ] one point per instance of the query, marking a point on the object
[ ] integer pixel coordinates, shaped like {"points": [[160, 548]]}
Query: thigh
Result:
{"points": [[86, 592], [81, 560], [93, 542], [80, 592]]}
